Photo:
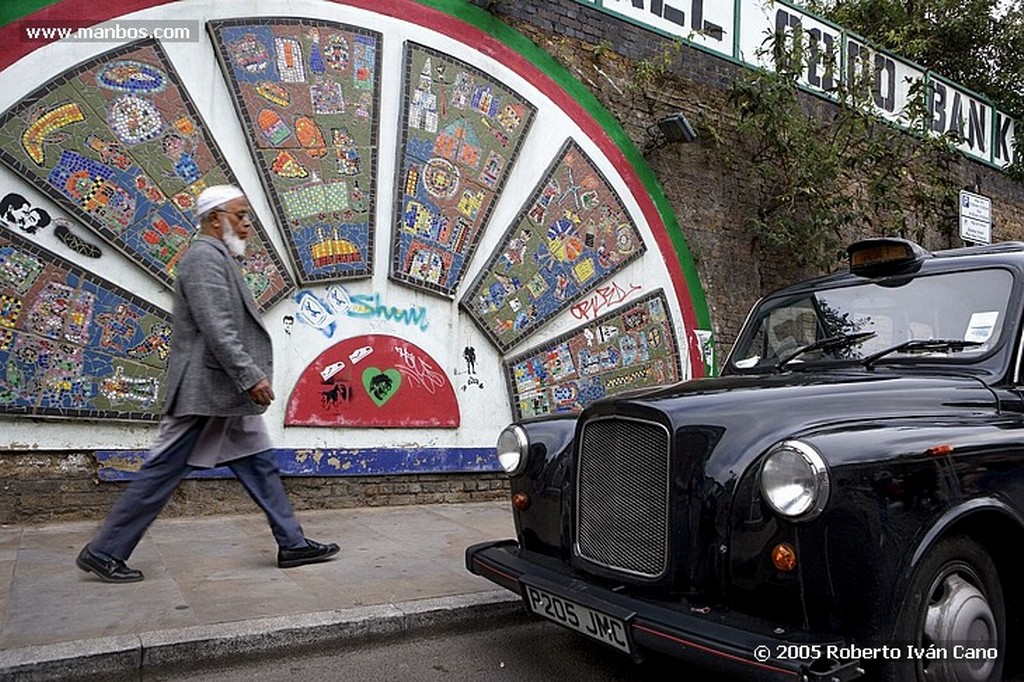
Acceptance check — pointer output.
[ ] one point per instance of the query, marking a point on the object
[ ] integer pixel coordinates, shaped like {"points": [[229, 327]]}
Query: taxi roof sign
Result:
{"points": [[884, 256]]}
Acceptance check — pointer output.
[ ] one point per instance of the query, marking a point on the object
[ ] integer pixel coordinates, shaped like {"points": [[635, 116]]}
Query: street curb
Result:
{"points": [[126, 656]]}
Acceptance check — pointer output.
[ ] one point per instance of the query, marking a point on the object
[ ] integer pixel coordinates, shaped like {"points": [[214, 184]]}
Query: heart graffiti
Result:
{"points": [[381, 385]]}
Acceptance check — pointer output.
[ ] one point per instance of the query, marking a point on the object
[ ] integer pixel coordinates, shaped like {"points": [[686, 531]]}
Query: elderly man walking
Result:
{"points": [[218, 386]]}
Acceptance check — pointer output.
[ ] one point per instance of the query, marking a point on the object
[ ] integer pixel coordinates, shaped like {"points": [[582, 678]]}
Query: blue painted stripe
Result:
{"points": [[122, 465]]}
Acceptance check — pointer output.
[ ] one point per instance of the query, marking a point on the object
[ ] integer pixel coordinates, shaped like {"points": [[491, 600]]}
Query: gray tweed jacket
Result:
{"points": [[219, 346]]}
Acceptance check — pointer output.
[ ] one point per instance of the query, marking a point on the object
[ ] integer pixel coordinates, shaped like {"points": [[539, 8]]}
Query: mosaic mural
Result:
{"points": [[75, 345], [572, 234], [461, 132], [118, 143], [308, 94], [373, 380], [113, 152], [631, 347]]}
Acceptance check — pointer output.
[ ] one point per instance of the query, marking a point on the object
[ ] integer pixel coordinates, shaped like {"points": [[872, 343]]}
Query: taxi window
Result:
{"points": [[961, 306]]}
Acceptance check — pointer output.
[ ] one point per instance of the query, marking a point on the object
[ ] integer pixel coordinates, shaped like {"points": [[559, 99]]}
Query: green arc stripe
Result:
{"points": [[12, 10]]}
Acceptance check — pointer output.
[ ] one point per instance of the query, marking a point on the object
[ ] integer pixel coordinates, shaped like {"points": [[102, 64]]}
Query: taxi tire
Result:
{"points": [[955, 589]]}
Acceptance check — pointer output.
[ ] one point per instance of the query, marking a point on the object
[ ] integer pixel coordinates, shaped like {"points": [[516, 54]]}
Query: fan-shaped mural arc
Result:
{"points": [[117, 141], [376, 381], [461, 132], [308, 95], [73, 344], [572, 234], [633, 346], [461, 22]]}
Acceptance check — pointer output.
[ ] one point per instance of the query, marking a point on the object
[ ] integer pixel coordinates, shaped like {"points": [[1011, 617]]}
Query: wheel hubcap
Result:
{"points": [[958, 614]]}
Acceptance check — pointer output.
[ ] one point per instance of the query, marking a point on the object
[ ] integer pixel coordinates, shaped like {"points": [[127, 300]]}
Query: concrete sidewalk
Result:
{"points": [[213, 589]]}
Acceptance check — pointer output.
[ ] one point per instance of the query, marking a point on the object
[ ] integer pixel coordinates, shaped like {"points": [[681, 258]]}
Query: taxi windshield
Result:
{"points": [[959, 314]]}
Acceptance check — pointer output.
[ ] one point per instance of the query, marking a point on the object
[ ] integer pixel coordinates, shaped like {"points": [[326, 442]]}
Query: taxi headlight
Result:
{"points": [[795, 480], [512, 447]]}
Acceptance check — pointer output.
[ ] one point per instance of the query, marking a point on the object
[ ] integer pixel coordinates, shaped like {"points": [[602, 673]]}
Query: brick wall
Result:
{"points": [[40, 486]]}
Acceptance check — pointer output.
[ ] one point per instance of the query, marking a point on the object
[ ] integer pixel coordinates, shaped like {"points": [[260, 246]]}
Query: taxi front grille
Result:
{"points": [[622, 500]]}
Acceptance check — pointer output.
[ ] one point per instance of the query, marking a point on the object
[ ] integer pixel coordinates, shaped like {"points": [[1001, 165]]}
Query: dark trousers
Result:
{"points": [[146, 496]]}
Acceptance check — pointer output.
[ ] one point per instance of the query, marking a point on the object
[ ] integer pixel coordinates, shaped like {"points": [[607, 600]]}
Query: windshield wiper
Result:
{"points": [[921, 346], [831, 343]]}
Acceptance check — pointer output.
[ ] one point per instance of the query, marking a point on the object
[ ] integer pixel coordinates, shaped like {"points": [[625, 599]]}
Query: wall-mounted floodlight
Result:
{"points": [[670, 128]]}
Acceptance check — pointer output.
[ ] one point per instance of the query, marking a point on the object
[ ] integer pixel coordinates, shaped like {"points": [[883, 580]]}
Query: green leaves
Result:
{"points": [[831, 172]]}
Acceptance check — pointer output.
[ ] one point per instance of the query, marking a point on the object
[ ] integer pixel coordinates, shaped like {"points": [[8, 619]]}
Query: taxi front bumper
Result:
{"points": [[729, 643]]}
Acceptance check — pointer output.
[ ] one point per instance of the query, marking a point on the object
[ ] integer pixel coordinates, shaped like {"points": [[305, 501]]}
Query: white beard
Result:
{"points": [[236, 245]]}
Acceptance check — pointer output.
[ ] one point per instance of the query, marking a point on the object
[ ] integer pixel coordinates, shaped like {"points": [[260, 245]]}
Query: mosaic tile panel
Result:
{"points": [[73, 344], [631, 347], [461, 133], [572, 234], [118, 143], [308, 95]]}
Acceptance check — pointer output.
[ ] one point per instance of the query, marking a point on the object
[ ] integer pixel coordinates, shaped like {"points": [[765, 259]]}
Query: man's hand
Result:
{"points": [[262, 393]]}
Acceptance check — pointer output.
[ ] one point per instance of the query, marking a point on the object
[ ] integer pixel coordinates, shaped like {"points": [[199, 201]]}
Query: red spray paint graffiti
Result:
{"points": [[602, 298]]}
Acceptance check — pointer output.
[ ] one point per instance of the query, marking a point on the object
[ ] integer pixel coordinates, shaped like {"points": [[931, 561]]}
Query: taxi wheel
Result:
{"points": [[953, 617]]}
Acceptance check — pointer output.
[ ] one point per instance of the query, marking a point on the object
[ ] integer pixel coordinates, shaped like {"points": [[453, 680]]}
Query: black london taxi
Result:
{"points": [[845, 500]]}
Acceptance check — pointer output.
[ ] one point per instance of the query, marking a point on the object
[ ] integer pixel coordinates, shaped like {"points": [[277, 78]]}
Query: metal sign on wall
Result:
{"points": [[975, 218], [739, 30]]}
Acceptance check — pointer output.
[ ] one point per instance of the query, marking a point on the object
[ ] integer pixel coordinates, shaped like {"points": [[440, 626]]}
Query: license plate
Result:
{"points": [[599, 626]]}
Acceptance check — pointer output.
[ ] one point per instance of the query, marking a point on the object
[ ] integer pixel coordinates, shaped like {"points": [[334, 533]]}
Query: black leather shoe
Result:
{"points": [[109, 570], [310, 554]]}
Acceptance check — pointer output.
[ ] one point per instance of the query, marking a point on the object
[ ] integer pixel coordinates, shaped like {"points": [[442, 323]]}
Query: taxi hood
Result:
{"points": [[748, 414]]}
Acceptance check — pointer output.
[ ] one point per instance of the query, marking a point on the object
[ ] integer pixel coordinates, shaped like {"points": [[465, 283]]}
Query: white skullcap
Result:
{"points": [[218, 195]]}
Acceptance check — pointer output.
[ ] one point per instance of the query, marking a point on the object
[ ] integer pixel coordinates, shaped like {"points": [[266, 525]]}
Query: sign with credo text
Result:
{"points": [[744, 30]]}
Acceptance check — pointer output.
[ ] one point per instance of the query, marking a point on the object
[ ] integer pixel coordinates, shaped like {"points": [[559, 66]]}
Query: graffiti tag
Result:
{"points": [[419, 371], [323, 313], [603, 297]]}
